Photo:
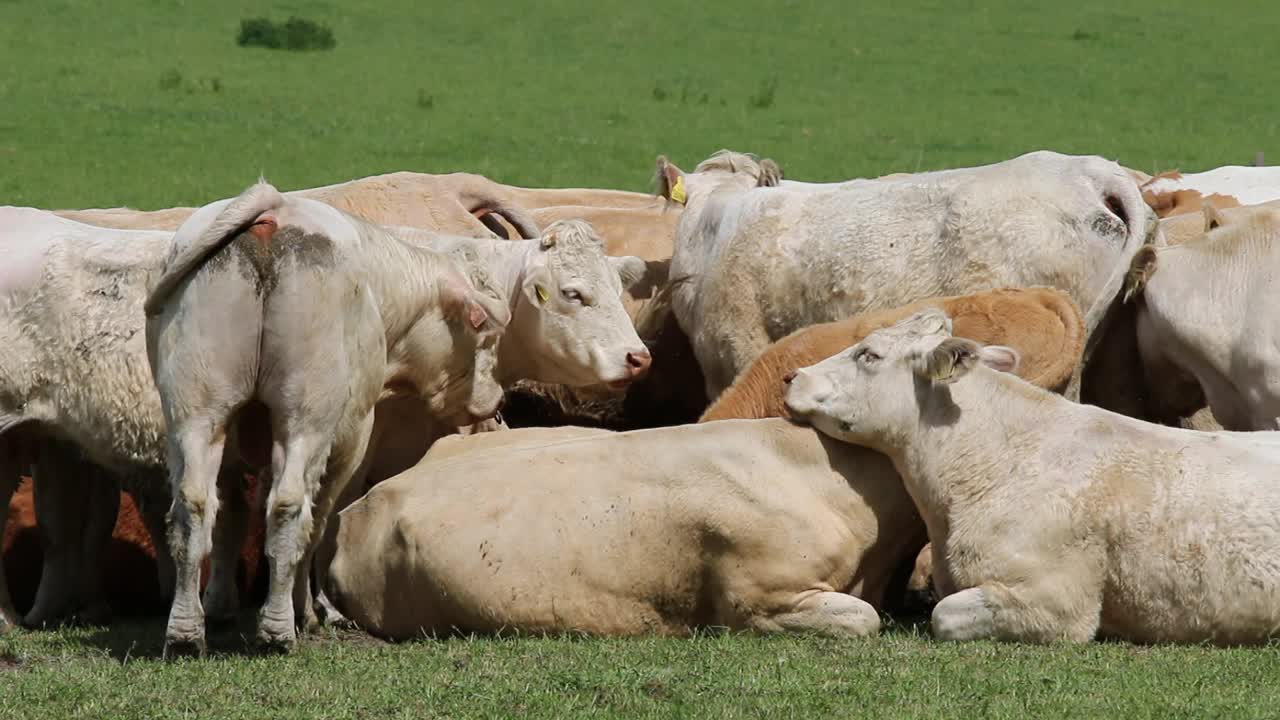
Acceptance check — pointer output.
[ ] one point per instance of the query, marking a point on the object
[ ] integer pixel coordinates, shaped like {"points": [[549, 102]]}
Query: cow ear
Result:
{"points": [[1000, 358], [630, 269], [669, 181], [1212, 218], [485, 316], [947, 361], [1140, 270]]}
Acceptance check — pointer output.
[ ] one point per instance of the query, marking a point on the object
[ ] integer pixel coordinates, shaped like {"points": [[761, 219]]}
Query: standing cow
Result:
{"points": [[276, 326], [767, 256], [1205, 323]]}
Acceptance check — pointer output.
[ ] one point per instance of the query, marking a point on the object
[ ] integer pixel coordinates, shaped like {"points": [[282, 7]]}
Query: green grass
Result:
{"points": [[155, 105], [151, 103], [87, 673]]}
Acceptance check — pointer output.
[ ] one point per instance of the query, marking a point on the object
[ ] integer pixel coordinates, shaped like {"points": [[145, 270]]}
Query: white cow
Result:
{"points": [[1206, 326], [76, 393], [757, 524], [294, 310], [768, 257], [1052, 520]]}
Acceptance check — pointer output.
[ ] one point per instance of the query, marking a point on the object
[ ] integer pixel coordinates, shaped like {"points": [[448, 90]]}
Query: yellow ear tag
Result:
{"points": [[677, 190], [542, 293]]}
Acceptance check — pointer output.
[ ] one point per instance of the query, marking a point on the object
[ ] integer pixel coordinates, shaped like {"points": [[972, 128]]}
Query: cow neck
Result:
{"points": [[403, 281], [964, 443], [513, 350]]}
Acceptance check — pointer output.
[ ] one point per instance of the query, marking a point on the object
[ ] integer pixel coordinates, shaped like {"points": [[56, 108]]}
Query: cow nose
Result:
{"points": [[791, 375], [638, 363]]}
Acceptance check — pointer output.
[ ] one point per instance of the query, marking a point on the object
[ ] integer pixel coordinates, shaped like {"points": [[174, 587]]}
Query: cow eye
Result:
{"points": [[866, 357], [572, 296]]}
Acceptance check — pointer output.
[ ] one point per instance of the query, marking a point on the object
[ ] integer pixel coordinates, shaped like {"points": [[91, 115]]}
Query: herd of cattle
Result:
{"points": [[748, 402]]}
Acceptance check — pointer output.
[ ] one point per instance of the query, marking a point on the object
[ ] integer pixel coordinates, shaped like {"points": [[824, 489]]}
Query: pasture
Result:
{"points": [[153, 104]]}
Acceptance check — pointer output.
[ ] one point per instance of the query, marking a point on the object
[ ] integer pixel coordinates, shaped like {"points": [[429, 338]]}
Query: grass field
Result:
{"points": [[151, 104]]}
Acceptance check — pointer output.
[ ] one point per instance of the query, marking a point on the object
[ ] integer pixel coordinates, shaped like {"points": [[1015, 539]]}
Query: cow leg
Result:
{"points": [[1036, 612], [60, 518], [10, 472], [297, 467], [101, 493], [221, 597], [826, 613], [194, 464], [345, 483]]}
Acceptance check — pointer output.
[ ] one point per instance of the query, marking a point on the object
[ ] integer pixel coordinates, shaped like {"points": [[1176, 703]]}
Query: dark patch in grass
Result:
{"points": [[764, 97], [293, 34], [10, 662], [170, 79], [1084, 36], [659, 93], [656, 689], [425, 100]]}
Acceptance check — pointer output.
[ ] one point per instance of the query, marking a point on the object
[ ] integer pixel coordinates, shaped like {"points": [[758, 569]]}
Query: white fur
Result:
{"points": [[317, 328], [765, 261], [1208, 313], [1069, 519], [1248, 185]]}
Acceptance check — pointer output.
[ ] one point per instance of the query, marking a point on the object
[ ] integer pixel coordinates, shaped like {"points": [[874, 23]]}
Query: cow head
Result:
{"points": [[725, 169], [871, 393], [571, 326], [458, 352]]}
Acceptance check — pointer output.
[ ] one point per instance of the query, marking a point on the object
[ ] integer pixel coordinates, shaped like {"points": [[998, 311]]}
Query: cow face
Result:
{"points": [[571, 324], [871, 393]]}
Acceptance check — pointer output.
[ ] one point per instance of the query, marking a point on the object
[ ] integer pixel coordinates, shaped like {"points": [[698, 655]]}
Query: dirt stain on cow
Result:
{"points": [[260, 263]]}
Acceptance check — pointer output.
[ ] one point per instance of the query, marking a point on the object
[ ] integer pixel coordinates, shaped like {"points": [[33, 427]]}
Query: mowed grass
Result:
{"points": [[86, 673], [151, 104]]}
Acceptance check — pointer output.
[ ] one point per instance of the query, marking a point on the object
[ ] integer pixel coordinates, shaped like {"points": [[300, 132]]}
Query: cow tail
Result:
{"points": [[196, 241]]}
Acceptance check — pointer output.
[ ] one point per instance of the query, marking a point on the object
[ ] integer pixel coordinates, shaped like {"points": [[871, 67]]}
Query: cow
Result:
{"points": [[1173, 193], [1043, 324], [274, 329], [769, 256], [454, 203], [457, 203], [76, 392], [1050, 520], [1204, 325], [753, 524]]}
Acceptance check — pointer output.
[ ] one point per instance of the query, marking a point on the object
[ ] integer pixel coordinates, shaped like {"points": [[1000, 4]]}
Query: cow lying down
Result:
{"points": [[1102, 525], [745, 524], [741, 523]]}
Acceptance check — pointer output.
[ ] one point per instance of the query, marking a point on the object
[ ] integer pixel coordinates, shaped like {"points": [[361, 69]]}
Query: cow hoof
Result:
{"points": [[271, 644], [43, 621], [175, 648]]}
